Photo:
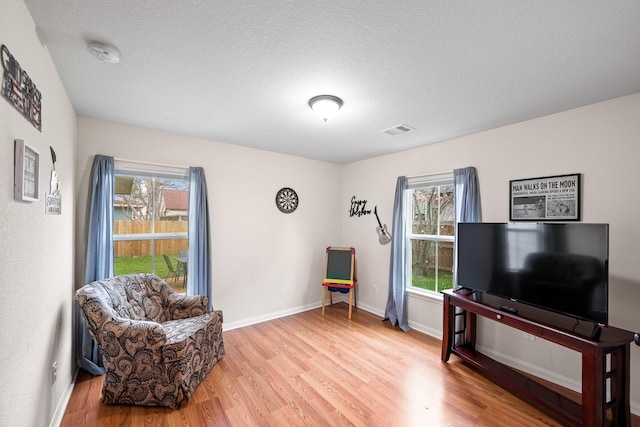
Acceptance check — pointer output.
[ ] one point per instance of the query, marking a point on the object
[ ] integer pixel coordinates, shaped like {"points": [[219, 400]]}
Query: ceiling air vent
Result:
{"points": [[397, 130]]}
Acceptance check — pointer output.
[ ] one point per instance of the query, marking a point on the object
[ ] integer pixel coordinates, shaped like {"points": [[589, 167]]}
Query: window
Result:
{"points": [[521, 241], [150, 225], [431, 232]]}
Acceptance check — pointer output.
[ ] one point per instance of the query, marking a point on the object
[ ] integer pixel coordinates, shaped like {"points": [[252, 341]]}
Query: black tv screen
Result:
{"points": [[562, 267]]}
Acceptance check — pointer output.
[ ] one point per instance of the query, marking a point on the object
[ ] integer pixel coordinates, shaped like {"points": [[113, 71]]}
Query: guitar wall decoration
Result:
{"points": [[383, 235]]}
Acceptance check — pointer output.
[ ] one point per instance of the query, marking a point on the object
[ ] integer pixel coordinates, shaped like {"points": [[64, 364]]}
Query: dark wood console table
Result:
{"points": [[605, 360]]}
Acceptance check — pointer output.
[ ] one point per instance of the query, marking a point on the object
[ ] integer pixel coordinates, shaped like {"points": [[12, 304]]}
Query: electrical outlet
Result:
{"points": [[375, 290], [54, 372]]}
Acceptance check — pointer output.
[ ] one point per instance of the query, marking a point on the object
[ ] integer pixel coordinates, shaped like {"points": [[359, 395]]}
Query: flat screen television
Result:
{"points": [[561, 267]]}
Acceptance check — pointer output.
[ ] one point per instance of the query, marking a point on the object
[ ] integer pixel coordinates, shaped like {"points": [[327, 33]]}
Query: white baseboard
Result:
{"points": [[537, 371], [544, 374], [635, 408], [370, 309], [56, 420], [270, 316], [427, 330]]}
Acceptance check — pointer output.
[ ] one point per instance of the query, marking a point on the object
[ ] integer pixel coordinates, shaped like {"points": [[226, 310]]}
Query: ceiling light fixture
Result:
{"points": [[325, 106], [104, 52]]}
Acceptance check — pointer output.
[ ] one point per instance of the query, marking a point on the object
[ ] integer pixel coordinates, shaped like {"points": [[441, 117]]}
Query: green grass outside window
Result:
{"points": [[142, 264], [428, 282]]}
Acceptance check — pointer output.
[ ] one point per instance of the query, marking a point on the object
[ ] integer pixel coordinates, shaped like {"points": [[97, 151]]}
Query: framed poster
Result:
{"points": [[26, 172], [549, 198]]}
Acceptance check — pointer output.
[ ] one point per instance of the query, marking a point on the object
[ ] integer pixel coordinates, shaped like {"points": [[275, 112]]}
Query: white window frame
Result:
{"points": [[443, 178]]}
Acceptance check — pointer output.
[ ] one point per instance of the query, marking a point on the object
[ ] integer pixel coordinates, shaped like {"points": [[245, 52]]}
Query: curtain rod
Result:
{"points": [[139, 162], [429, 174]]}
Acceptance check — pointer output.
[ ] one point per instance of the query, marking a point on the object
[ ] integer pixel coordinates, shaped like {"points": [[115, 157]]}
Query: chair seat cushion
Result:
{"points": [[183, 334]]}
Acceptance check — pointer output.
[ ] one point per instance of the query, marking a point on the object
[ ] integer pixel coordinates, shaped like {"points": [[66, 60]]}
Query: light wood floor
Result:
{"points": [[310, 370]]}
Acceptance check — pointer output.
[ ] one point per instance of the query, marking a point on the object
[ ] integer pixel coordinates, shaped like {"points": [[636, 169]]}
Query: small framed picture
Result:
{"points": [[27, 172], [550, 198]]}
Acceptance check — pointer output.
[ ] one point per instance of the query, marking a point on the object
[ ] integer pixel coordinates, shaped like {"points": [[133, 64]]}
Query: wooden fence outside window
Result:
{"points": [[136, 248]]}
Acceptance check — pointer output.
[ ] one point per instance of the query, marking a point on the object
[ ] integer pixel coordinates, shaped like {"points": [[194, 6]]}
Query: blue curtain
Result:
{"points": [[199, 277], [466, 200], [467, 209], [99, 256], [467, 195], [396, 310]]}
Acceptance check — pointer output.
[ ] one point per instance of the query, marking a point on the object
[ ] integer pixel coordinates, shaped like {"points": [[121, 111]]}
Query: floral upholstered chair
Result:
{"points": [[156, 345]]}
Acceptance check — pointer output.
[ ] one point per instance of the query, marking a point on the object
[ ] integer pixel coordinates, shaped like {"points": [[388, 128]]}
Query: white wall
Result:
{"points": [[265, 263], [600, 141], [36, 268]]}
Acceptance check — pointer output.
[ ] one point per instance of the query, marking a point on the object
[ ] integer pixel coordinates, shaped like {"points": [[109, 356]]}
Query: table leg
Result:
{"points": [[447, 327]]}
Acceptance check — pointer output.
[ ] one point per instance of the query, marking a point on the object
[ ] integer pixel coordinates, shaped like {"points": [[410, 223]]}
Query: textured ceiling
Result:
{"points": [[242, 72]]}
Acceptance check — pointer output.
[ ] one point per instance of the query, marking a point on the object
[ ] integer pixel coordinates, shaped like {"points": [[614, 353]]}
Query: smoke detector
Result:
{"points": [[104, 52]]}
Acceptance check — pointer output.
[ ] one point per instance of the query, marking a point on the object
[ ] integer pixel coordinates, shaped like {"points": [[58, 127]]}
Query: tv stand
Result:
{"points": [[596, 331], [605, 359]]}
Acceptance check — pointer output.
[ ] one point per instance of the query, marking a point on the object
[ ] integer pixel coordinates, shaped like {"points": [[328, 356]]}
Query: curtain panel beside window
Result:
{"points": [[396, 309], [466, 201], [99, 254], [200, 274]]}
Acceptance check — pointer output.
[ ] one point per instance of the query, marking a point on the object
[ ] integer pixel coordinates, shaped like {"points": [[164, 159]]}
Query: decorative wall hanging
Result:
{"points": [[53, 199], [358, 207], [550, 198], [19, 90], [383, 235], [287, 200], [26, 172]]}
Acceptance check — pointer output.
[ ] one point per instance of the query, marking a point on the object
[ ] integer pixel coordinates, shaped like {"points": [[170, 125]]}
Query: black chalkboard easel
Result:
{"points": [[340, 273], [339, 264]]}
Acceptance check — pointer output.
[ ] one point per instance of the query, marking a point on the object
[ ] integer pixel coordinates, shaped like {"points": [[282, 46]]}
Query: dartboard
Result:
{"points": [[287, 200]]}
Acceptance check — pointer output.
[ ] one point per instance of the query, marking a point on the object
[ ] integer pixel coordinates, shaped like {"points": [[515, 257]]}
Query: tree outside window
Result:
{"points": [[432, 236], [151, 226]]}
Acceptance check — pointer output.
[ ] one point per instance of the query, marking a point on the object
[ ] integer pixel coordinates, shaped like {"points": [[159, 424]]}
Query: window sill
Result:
{"points": [[425, 295]]}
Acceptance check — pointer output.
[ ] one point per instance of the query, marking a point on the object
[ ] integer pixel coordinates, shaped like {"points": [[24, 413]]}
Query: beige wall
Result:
{"points": [[265, 263], [599, 141], [36, 265]]}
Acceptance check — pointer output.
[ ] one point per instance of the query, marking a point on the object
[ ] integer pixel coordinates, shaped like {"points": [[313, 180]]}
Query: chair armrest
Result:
{"points": [[183, 306], [129, 336], [219, 313]]}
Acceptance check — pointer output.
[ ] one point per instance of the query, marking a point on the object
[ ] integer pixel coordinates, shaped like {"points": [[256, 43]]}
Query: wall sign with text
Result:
{"points": [[550, 198], [19, 89], [358, 207]]}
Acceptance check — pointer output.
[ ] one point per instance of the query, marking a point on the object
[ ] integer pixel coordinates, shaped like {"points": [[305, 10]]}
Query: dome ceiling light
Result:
{"points": [[325, 106]]}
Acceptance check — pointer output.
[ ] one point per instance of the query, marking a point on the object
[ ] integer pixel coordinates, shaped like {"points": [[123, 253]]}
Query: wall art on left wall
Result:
{"points": [[26, 172], [19, 89]]}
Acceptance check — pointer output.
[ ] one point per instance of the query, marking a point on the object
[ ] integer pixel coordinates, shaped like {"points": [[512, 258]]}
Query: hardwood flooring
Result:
{"points": [[310, 370]]}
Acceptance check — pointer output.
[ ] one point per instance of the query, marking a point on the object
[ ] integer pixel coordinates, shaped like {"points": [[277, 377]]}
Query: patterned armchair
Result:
{"points": [[156, 344]]}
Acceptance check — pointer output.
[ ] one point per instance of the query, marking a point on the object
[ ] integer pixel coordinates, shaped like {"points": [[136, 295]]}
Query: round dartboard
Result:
{"points": [[287, 200]]}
